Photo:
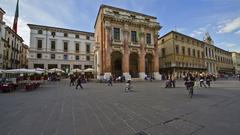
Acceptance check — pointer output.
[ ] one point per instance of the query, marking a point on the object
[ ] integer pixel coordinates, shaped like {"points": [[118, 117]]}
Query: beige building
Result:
{"points": [[2, 35], [180, 54], [126, 43], [224, 61], [11, 45], [24, 56], [236, 62]]}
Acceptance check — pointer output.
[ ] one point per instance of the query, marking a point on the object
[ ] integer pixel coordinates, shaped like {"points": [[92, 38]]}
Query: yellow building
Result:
{"points": [[23, 56], [224, 61], [236, 62], [180, 54]]}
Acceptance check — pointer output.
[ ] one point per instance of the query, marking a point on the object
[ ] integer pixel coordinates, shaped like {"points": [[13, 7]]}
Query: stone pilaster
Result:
{"points": [[125, 59], [156, 58], [107, 48], [142, 56]]}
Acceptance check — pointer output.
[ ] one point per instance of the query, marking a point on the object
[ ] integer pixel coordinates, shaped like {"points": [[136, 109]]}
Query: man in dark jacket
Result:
{"points": [[79, 82], [208, 80]]}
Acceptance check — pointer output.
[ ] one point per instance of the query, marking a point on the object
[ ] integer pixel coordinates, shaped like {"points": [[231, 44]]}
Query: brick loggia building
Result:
{"points": [[126, 43]]}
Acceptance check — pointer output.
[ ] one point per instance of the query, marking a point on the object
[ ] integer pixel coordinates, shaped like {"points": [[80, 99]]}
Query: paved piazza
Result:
{"points": [[57, 109]]}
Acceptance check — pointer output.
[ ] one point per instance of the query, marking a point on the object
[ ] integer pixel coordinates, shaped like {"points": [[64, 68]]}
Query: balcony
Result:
{"points": [[150, 45], [135, 44], [117, 42]]}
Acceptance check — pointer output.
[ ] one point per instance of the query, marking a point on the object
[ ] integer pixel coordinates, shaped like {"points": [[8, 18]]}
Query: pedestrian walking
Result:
{"points": [[72, 81], [201, 80], [79, 82], [208, 80], [173, 81], [110, 81]]}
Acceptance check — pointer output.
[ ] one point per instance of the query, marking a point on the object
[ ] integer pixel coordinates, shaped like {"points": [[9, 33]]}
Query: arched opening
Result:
{"points": [[149, 64], [116, 62], [133, 65]]}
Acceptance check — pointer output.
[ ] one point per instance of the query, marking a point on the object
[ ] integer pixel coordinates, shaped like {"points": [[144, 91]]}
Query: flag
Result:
{"points": [[16, 18]]}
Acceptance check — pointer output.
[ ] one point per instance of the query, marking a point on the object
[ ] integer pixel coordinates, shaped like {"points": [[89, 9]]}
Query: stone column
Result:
{"points": [[142, 56], [107, 51], [125, 59], [156, 58]]}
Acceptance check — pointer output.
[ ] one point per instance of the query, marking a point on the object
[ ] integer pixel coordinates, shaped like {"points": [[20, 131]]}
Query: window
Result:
{"points": [[65, 57], [77, 66], [115, 12], [53, 33], [177, 49], [39, 55], [198, 54], [148, 38], [206, 51], [116, 33], [77, 57], [162, 40], [65, 46], [65, 35], [88, 58], [40, 32], [194, 54], [53, 47], [189, 52], [77, 47], [87, 37], [52, 56], [133, 16], [212, 54], [202, 54], [147, 19], [88, 48], [163, 52], [134, 36], [38, 66], [183, 50], [76, 36], [39, 44]]}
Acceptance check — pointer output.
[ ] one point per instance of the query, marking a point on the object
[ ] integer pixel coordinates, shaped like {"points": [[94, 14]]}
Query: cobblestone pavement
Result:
{"points": [[57, 109]]}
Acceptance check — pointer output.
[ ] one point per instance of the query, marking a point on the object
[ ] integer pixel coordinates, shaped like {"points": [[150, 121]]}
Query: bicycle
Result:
{"points": [[128, 87]]}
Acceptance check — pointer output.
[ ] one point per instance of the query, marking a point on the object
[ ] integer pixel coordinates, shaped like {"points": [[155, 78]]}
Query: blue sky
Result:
{"points": [[221, 18]]}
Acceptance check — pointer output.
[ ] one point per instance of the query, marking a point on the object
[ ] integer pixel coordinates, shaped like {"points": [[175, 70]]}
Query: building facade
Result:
{"points": [[210, 55], [224, 61], [236, 62], [52, 47], [126, 43], [180, 54], [24, 56], [2, 35], [11, 46]]}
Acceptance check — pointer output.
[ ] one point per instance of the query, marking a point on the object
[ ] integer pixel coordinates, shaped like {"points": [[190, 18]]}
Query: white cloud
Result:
{"points": [[229, 26], [181, 30], [200, 31]]}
